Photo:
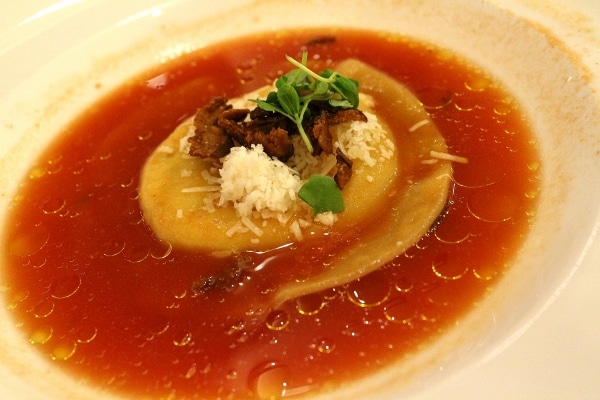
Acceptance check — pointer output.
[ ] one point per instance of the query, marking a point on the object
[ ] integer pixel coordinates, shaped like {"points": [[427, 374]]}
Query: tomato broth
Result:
{"points": [[94, 290]]}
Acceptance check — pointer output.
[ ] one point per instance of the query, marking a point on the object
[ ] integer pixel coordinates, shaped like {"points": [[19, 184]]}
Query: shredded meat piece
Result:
{"points": [[225, 278], [324, 120], [269, 133], [344, 169], [219, 127], [321, 40], [210, 140]]}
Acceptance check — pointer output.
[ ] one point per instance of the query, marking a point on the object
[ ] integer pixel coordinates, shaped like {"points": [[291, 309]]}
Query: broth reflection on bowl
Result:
{"points": [[524, 82]]}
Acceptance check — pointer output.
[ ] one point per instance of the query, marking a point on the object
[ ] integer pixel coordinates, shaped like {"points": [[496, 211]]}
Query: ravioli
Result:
{"points": [[177, 199], [178, 192]]}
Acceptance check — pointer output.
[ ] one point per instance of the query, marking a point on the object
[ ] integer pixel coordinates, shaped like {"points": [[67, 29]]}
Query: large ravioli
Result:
{"points": [[179, 215], [392, 212]]}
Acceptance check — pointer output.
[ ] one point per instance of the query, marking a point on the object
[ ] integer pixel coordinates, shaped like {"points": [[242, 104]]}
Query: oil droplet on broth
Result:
{"points": [[277, 320], [325, 346], [398, 311], [310, 304], [158, 330], [53, 206], [135, 253], [161, 250], [466, 102], [442, 295], [64, 351], [435, 98], [478, 84], [17, 298], [269, 381], [182, 339], [28, 242], [65, 287], [485, 272], [504, 107], [356, 328], [455, 230], [41, 335], [370, 290], [39, 262], [403, 285], [494, 203], [113, 248], [37, 172], [450, 271], [86, 335], [43, 309], [479, 172]]}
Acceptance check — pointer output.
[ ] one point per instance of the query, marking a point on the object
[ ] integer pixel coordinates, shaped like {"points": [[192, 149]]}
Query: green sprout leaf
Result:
{"points": [[297, 88], [289, 100], [322, 194]]}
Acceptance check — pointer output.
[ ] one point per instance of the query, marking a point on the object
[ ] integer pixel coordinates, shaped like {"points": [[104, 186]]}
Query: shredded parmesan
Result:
{"points": [[247, 222], [251, 180], [418, 125], [237, 228], [448, 157], [366, 141], [165, 149], [296, 231], [184, 144], [326, 218]]}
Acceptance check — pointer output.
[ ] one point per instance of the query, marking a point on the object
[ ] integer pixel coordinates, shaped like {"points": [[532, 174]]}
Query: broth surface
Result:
{"points": [[94, 290]]}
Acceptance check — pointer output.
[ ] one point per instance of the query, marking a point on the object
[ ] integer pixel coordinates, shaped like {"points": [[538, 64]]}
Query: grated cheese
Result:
{"points": [[296, 231], [251, 180], [448, 157], [247, 222], [165, 149], [418, 125], [366, 141]]}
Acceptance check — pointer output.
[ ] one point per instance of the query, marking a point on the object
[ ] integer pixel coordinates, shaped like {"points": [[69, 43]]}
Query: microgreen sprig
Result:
{"points": [[300, 86]]}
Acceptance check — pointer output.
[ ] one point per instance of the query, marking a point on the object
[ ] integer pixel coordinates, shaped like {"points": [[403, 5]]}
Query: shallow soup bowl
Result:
{"points": [[60, 58]]}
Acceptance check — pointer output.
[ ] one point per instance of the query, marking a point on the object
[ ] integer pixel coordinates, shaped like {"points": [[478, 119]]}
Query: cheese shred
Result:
{"points": [[448, 157]]}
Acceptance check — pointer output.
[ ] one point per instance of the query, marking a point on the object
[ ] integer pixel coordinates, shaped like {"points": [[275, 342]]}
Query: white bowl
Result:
{"points": [[546, 53]]}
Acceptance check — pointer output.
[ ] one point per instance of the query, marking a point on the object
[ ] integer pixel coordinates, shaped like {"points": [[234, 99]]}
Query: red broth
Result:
{"points": [[94, 290]]}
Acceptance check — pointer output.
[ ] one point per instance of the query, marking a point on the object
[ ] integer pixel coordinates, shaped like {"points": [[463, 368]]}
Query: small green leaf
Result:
{"points": [[348, 88], [321, 91], [268, 106], [296, 77], [340, 103], [289, 100], [272, 98], [322, 194]]}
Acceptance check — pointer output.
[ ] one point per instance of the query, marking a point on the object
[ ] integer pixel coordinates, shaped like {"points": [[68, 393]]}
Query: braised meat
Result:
{"points": [[210, 140], [219, 127], [270, 131], [344, 169]]}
